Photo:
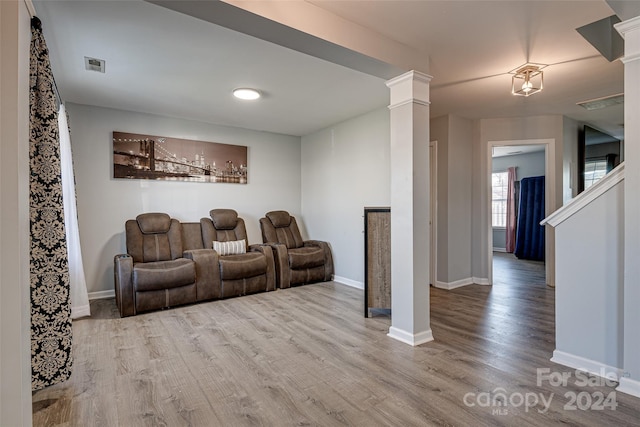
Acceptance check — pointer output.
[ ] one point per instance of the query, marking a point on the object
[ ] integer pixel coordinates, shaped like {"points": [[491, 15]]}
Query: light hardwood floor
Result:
{"points": [[307, 356]]}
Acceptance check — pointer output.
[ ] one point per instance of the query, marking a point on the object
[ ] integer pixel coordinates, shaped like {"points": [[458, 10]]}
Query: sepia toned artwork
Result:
{"points": [[138, 156]]}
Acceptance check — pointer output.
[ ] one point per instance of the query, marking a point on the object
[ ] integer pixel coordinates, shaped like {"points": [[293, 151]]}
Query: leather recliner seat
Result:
{"points": [[238, 273], [153, 274], [298, 261]]}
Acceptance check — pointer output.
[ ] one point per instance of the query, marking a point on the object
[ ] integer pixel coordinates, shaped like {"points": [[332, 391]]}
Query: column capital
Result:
{"points": [[630, 31], [627, 26], [410, 87]]}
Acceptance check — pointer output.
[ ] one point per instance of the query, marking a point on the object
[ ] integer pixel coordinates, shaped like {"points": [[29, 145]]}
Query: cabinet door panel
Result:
{"points": [[378, 258]]}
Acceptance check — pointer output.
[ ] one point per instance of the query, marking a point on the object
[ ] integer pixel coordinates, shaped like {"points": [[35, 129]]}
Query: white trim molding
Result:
{"points": [[453, 285], [409, 88], [629, 386], [409, 338], [30, 8], [481, 281], [627, 26], [407, 102], [586, 197], [587, 365], [630, 58], [102, 295], [348, 282], [409, 76], [77, 312]]}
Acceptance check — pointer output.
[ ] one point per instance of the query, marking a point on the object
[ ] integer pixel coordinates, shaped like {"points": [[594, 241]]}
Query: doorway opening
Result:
{"points": [[521, 194]]}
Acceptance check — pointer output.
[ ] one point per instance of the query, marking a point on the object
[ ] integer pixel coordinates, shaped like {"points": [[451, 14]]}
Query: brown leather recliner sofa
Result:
{"points": [[297, 261], [167, 264]]}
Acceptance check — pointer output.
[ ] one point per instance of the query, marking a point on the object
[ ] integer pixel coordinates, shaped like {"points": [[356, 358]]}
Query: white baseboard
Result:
{"points": [[78, 312], [500, 250], [587, 365], [102, 294], [453, 285], [409, 338], [629, 386], [481, 281], [348, 282]]}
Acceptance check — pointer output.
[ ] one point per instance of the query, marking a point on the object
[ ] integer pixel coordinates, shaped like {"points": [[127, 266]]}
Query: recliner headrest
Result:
{"points": [[154, 223], [224, 219], [279, 218]]}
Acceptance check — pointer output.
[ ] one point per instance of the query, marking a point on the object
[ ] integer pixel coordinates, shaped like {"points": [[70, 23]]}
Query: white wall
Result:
{"points": [[455, 141], [439, 131], [15, 337], [105, 203], [459, 189], [589, 285], [345, 168]]}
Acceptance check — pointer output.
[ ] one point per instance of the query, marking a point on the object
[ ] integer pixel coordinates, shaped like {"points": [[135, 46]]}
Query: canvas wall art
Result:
{"points": [[137, 156]]}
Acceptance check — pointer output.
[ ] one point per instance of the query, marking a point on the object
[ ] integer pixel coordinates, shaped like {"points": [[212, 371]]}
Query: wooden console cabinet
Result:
{"points": [[377, 259]]}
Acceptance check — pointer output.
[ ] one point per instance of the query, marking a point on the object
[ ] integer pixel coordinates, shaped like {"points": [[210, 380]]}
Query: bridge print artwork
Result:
{"points": [[138, 156]]}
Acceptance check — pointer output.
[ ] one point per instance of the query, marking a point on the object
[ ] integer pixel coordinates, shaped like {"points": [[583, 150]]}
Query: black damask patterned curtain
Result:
{"points": [[49, 267]]}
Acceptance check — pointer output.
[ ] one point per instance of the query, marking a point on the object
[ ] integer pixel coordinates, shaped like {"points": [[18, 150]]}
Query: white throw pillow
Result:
{"points": [[233, 247]]}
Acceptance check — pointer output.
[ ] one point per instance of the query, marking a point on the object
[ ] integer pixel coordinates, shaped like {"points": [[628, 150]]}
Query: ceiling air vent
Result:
{"points": [[599, 103], [94, 64]]}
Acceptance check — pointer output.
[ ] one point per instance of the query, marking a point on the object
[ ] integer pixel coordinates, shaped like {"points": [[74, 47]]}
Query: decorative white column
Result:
{"points": [[409, 112], [630, 381]]}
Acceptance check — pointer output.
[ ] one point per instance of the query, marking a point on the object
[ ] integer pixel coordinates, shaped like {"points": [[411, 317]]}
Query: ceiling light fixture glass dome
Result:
{"points": [[246, 93]]}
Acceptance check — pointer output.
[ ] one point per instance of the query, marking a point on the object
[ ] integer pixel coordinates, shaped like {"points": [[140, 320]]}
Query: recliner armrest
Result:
{"points": [[123, 282], [283, 274], [208, 284], [267, 251], [328, 257]]}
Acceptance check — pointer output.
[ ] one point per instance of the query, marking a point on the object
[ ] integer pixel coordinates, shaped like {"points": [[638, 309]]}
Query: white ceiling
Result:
{"points": [[163, 62]]}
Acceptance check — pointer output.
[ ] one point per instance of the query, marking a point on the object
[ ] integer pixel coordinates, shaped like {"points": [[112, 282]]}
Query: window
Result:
{"points": [[499, 189], [594, 169]]}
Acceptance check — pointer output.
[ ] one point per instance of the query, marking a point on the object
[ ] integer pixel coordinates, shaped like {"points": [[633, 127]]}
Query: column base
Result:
{"points": [[409, 338]]}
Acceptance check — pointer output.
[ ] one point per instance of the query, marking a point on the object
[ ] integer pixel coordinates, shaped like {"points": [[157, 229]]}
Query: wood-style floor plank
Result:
{"points": [[307, 356]]}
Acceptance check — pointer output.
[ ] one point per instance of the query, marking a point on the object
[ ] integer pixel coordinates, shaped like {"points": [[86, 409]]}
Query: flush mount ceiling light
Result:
{"points": [[527, 79], [247, 94]]}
